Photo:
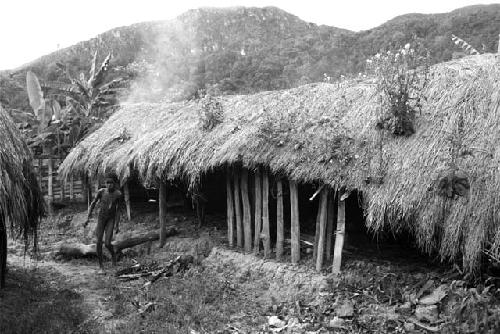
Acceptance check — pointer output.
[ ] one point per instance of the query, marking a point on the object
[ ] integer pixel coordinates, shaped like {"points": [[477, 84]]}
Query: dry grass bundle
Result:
{"points": [[326, 132]]}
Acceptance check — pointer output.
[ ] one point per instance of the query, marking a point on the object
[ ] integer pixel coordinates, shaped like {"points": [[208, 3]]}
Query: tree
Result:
{"points": [[87, 104]]}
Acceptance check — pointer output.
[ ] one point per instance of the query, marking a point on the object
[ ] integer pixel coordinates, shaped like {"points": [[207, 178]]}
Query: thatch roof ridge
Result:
{"points": [[326, 132]]}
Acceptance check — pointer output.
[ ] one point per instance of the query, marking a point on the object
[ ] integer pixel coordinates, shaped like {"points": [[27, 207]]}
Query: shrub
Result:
{"points": [[400, 79], [212, 112]]}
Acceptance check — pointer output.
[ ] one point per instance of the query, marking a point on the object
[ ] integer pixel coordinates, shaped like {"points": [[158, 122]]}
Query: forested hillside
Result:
{"points": [[245, 50]]}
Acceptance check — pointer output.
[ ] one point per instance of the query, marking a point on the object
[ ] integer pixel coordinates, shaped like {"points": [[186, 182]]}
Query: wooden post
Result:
{"points": [[316, 231], [71, 187], [50, 184], [258, 211], [40, 174], [230, 209], [126, 195], [50, 179], [280, 230], [86, 190], [247, 213], [295, 227], [237, 206], [163, 212], [62, 185], [323, 208], [339, 238], [329, 225], [266, 232]]}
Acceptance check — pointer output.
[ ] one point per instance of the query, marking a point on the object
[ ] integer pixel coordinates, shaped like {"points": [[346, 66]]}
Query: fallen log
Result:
{"points": [[81, 250]]}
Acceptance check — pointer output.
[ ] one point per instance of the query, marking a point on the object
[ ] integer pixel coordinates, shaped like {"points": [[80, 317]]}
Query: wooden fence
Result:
{"points": [[53, 189]]}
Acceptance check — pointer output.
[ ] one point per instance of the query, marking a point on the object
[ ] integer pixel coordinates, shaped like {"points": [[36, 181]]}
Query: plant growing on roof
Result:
{"points": [[400, 78], [211, 112]]}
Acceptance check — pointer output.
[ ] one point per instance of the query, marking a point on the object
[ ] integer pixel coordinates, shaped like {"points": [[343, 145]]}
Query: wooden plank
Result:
{"points": [[329, 225], [162, 206], [230, 209], [280, 226], [322, 228], [339, 237], [247, 211], [295, 227], [258, 211], [237, 206], [266, 232]]}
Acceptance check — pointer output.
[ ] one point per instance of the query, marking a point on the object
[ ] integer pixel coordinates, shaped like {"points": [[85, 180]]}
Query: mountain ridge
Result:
{"points": [[250, 49]]}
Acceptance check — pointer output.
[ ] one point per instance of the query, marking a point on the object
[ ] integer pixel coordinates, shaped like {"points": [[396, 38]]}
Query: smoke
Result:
{"points": [[168, 66]]}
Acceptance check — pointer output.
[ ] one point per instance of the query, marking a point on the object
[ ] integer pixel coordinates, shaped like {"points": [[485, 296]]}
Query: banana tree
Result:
{"points": [[47, 114], [90, 98], [87, 103]]}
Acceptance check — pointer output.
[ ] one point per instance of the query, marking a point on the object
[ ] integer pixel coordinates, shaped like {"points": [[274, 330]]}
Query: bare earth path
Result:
{"points": [[83, 278]]}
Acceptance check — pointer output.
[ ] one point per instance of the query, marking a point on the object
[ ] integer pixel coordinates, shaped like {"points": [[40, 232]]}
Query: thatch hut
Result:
{"points": [[327, 134], [21, 203]]}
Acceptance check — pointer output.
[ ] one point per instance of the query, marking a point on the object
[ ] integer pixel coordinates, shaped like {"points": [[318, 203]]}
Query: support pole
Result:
{"points": [[316, 231], [247, 213], [323, 208], [62, 187], [86, 190], [163, 212], [237, 206], [265, 215], [71, 187], [339, 238], [295, 227], [40, 174], [230, 209], [258, 211], [280, 230], [329, 225], [126, 195], [50, 185]]}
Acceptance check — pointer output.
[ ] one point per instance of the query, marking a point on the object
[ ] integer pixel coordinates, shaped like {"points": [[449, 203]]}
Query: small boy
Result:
{"points": [[107, 218]]}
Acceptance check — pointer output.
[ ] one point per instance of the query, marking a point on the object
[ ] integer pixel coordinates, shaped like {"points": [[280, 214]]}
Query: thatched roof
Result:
{"points": [[21, 203], [327, 133]]}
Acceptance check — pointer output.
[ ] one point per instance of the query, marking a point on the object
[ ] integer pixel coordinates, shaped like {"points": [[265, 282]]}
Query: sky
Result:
{"points": [[32, 28]]}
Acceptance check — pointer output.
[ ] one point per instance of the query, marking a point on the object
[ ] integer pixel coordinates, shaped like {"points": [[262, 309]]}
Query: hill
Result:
{"points": [[246, 50]]}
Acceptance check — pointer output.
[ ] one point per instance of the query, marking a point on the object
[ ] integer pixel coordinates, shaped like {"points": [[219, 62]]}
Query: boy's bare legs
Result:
{"points": [[101, 225], [108, 237]]}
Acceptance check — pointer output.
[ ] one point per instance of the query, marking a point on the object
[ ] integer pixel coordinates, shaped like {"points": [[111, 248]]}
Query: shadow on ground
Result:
{"points": [[36, 301]]}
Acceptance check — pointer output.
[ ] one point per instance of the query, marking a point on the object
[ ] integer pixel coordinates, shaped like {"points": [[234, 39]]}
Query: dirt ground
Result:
{"points": [[382, 289]]}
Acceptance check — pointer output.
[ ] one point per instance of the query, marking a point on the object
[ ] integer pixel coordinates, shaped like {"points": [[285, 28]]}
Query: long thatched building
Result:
{"points": [[327, 134], [21, 203]]}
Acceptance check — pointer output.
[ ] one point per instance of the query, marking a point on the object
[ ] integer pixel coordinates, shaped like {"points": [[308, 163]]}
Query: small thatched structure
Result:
{"points": [[327, 133], [21, 203]]}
